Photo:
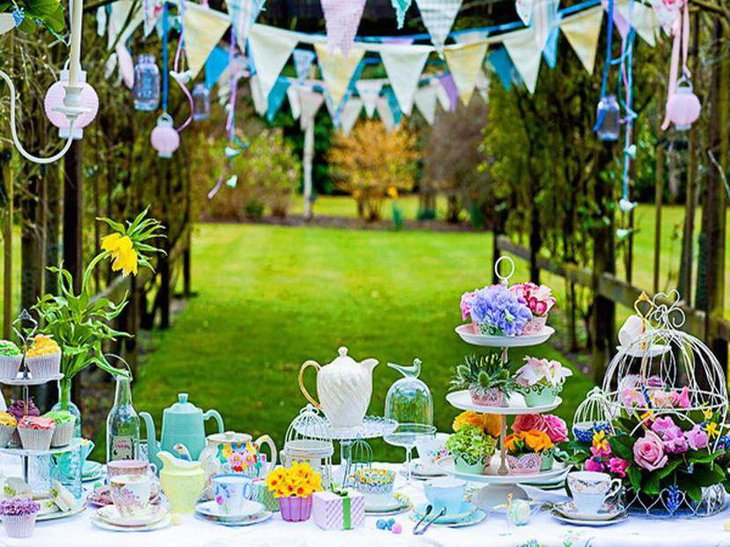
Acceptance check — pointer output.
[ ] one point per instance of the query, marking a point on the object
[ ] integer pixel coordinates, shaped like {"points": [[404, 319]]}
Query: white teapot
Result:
{"points": [[344, 387]]}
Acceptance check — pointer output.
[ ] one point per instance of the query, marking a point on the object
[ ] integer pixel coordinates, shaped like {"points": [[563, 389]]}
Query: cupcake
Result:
{"points": [[17, 410], [36, 432], [64, 431], [18, 516], [43, 357], [8, 423], [10, 359]]}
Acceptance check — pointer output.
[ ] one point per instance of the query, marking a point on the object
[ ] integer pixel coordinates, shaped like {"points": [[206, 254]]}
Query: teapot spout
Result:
{"points": [[369, 364]]}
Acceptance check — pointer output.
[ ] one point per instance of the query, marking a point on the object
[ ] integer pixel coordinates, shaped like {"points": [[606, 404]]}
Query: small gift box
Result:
{"points": [[338, 509]]}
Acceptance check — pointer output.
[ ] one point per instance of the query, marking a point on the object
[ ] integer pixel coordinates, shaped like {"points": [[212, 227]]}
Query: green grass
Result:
{"points": [[343, 206], [272, 297]]}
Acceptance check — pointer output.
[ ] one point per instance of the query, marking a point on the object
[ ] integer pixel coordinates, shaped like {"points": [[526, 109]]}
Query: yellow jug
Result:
{"points": [[182, 482]]}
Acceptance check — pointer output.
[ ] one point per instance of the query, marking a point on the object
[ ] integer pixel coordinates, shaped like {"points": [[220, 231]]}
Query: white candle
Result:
{"points": [[77, 8]]}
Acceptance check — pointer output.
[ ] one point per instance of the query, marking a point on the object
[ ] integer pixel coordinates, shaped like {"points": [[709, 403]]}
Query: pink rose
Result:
{"points": [[649, 452], [555, 428], [697, 438], [526, 422], [537, 307], [594, 465], [681, 399], [466, 299], [617, 466]]}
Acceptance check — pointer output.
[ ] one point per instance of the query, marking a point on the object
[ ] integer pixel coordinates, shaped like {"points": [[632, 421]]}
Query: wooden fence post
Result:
{"points": [[8, 247]]}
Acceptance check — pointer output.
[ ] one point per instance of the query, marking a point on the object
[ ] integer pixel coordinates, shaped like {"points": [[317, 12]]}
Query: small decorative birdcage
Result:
{"points": [[592, 416], [308, 440]]}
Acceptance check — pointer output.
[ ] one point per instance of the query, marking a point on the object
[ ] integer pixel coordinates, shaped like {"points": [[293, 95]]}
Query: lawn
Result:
{"points": [[270, 298]]}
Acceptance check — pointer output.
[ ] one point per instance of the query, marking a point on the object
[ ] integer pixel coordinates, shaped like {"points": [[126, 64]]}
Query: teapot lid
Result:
{"points": [[342, 357], [230, 437], [183, 406]]}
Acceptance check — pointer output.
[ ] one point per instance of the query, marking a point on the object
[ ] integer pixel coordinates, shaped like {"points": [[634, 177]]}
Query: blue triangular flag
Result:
{"points": [[394, 106], [502, 65], [276, 97], [215, 66], [550, 51]]}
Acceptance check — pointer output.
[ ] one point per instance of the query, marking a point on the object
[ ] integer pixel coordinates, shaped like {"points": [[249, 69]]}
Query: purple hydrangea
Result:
{"points": [[497, 311], [19, 507]]}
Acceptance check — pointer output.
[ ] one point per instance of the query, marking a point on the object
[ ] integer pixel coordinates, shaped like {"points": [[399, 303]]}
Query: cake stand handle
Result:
{"points": [[503, 470]]}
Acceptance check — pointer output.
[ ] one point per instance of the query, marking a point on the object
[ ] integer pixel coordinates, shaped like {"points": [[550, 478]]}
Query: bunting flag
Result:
{"points": [[502, 65], [259, 102], [401, 7], [276, 98], [465, 64], [550, 51], [270, 49], [204, 28], [292, 93], [483, 85], [544, 16], [394, 106], [471, 36], [341, 18], [117, 29], [310, 103], [642, 18], [525, 56], [243, 15], [215, 66], [426, 98], [452, 93], [369, 91], [303, 59], [582, 32], [350, 114], [524, 10], [438, 17], [385, 114], [151, 10], [337, 70], [442, 96], [404, 65]]}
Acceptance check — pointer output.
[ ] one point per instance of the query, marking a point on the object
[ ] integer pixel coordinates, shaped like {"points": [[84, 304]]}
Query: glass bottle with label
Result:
{"points": [[122, 424]]}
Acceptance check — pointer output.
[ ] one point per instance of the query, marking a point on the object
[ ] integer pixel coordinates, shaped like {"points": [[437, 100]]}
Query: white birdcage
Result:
{"points": [[592, 416], [308, 440], [661, 371]]}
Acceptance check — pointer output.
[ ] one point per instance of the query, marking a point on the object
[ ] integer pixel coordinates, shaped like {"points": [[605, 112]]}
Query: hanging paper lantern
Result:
{"points": [[146, 88], [608, 124], [683, 107], [164, 138], [201, 102], [54, 100]]}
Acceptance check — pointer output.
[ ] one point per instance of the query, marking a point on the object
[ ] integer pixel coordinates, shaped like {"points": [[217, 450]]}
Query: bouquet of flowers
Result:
{"points": [[488, 423], [472, 449], [540, 380], [525, 451], [293, 488], [495, 310], [554, 427], [539, 300]]}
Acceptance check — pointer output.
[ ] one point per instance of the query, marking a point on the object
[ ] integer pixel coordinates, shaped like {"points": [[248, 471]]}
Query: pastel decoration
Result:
{"points": [[337, 71], [338, 510], [295, 104], [120, 25], [342, 17], [524, 10], [310, 102], [151, 10], [350, 114], [438, 17], [426, 99], [215, 66], [642, 18], [666, 14], [259, 103], [270, 48], [582, 31], [243, 14], [164, 138], [369, 91], [447, 82], [204, 28], [401, 7], [126, 65], [502, 65], [404, 65], [385, 114], [550, 51], [465, 64], [276, 98], [303, 59], [544, 16], [7, 22], [526, 57], [54, 99], [442, 96]]}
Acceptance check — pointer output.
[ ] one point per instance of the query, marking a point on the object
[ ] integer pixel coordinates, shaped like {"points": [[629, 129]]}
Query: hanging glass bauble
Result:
{"points": [[201, 102], [146, 88], [608, 124]]}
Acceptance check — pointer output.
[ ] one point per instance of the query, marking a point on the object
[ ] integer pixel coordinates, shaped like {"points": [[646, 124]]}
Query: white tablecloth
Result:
{"points": [[543, 530]]}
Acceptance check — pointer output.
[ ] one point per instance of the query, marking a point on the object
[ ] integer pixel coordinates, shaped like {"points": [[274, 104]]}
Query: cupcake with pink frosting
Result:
{"points": [[36, 432]]}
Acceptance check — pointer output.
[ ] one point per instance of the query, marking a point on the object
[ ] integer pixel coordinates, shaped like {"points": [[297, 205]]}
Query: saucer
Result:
{"points": [[397, 503], [111, 515], [465, 513], [569, 510], [211, 509], [622, 516], [475, 517], [92, 471], [99, 523], [425, 469], [250, 520], [102, 496]]}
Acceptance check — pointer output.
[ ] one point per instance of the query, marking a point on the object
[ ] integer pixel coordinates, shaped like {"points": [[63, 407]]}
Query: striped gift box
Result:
{"points": [[342, 510]]}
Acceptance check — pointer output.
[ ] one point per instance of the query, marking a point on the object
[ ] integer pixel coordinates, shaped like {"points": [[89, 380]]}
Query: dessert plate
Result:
{"points": [[577, 522], [92, 471], [464, 514], [211, 509], [250, 520], [396, 504], [569, 510], [111, 515], [55, 515], [99, 523]]}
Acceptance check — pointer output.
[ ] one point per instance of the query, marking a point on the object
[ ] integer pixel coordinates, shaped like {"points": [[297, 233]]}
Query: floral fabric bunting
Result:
{"points": [[243, 15], [438, 16], [369, 91], [342, 17], [303, 59]]}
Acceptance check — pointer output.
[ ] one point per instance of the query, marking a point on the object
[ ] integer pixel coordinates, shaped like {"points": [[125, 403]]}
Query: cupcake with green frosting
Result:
{"points": [[10, 359], [64, 431]]}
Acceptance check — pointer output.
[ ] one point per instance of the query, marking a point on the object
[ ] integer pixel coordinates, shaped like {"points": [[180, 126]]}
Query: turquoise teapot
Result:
{"points": [[182, 423]]}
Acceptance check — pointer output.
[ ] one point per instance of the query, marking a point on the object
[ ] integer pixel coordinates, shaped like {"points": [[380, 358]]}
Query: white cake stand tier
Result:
{"points": [[492, 476], [467, 334], [515, 405]]}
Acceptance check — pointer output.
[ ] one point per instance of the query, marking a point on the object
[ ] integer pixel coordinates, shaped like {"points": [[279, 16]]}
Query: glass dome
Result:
{"points": [[409, 399]]}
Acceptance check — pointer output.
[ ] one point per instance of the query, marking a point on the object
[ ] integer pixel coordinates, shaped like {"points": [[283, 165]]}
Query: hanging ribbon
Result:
{"points": [[607, 63], [180, 77], [626, 77], [165, 60], [681, 41]]}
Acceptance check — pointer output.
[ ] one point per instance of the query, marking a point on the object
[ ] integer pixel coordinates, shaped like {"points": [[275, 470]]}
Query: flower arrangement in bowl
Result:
{"points": [[486, 377], [539, 300], [293, 488], [555, 428], [471, 448], [541, 380], [495, 310], [525, 451], [18, 516]]}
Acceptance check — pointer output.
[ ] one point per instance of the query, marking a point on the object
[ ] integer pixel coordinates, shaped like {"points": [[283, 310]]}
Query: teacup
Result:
{"points": [[590, 490], [231, 492], [445, 492], [429, 449], [130, 467], [131, 494]]}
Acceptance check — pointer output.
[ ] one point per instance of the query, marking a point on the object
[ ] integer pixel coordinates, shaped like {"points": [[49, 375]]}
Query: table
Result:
{"points": [[542, 530]]}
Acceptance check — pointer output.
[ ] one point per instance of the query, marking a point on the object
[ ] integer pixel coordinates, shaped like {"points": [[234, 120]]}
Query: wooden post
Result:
{"points": [[8, 248], [658, 192], [307, 167], [165, 275]]}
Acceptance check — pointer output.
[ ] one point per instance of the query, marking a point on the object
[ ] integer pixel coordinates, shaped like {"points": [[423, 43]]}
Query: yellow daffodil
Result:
{"points": [[123, 255], [712, 430], [600, 442], [707, 413], [298, 480]]}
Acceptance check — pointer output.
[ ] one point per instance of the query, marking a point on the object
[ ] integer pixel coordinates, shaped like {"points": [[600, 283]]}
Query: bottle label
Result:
{"points": [[122, 448]]}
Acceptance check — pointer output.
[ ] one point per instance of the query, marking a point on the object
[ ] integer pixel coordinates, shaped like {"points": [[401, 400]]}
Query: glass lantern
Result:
{"points": [[409, 399], [201, 102], [608, 120], [146, 88]]}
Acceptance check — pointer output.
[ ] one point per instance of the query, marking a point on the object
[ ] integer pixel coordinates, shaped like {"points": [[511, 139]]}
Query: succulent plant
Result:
{"points": [[483, 372]]}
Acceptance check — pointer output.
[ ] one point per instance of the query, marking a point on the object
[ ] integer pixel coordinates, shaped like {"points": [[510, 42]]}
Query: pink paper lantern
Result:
{"points": [[54, 99], [683, 108], [164, 138]]}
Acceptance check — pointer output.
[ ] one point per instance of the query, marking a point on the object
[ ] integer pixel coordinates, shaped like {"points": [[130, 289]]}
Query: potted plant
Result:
{"points": [[552, 425], [293, 488], [496, 311], [525, 451], [539, 300], [18, 516], [486, 377], [471, 448], [540, 380]]}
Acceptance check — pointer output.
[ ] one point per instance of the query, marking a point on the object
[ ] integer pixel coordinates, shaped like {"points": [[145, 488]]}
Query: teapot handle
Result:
{"points": [[306, 365], [218, 420], [268, 441]]}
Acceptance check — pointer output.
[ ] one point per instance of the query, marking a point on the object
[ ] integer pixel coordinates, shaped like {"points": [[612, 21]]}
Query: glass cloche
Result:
{"points": [[409, 400]]}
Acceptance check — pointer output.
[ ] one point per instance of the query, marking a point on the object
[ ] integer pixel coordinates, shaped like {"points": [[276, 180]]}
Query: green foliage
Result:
{"points": [[471, 444], [483, 371], [48, 13]]}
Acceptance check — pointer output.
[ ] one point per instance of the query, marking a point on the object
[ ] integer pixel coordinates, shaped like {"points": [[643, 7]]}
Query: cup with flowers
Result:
{"points": [[293, 488], [552, 425], [525, 451], [541, 380], [495, 310], [474, 441], [486, 377], [539, 300]]}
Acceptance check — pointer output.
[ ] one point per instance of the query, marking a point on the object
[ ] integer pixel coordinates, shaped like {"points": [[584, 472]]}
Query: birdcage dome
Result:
{"points": [[308, 440], [592, 416]]}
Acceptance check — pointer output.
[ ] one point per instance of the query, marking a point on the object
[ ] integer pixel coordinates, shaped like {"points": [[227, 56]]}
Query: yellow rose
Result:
{"points": [[537, 441], [489, 423]]}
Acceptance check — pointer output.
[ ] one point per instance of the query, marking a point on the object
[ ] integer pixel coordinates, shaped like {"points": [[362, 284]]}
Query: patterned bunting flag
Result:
{"points": [[243, 15], [465, 64], [303, 59], [447, 82], [438, 16], [404, 65], [151, 10], [525, 56], [342, 17], [582, 32], [295, 103], [270, 49], [544, 17], [350, 114], [337, 70], [385, 114], [524, 10], [642, 18], [259, 101], [401, 7], [369, 91], [204, 28]]}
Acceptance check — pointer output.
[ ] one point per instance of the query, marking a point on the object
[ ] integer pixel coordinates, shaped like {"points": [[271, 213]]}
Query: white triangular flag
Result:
{"points": [[259, 103], [337, 70], [544, 19], [204, 28], [369, 91], [465, 64], [438, 16], [483, 85], [404, 65], [442, 96], [582, 31], [270, 48], [310, 102], [426, 98], [350, 114], [642, 18], [525, 55], [117, 31], [243, 14], [385, 114], [295, 103]]}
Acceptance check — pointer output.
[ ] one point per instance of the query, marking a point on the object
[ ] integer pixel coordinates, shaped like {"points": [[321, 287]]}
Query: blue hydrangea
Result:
{"points": [[497, 311]]}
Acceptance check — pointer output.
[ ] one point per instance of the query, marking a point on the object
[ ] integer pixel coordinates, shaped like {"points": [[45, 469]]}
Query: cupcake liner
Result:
{"points": [[14, 439], [6, 433], [62, 434], [44, 366], [19, 526], [35, 439], [9, 366]]}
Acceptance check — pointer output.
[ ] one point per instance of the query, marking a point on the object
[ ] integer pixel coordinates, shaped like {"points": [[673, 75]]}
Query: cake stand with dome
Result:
{"points": [[498, 472]]}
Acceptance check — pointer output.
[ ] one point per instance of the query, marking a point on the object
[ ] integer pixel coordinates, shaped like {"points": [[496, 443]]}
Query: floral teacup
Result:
{"points": [[590, 490], [131, 494], [130, 467], [429, 450], [231, 492]]}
